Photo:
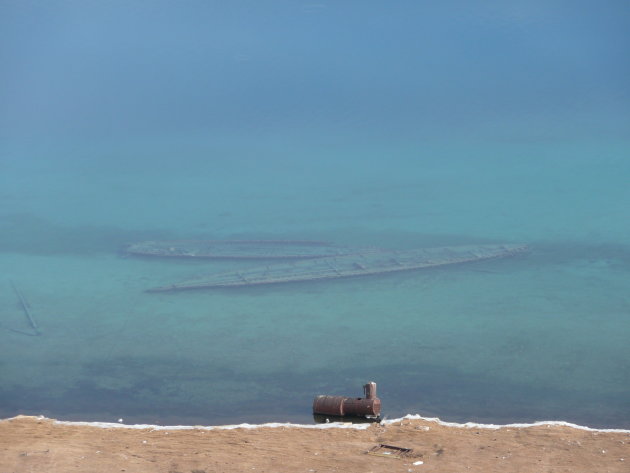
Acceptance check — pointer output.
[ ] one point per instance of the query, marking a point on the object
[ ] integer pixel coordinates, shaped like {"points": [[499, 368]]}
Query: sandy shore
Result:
{"points": [[33, 444]]}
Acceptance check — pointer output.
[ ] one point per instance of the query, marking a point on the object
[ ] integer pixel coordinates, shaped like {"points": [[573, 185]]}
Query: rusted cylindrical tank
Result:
{"points": [[340, 406], [356, 406], [329, 405]]}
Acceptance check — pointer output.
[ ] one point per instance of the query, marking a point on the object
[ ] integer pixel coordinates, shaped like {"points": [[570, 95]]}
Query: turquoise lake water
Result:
{"points": [[364, 124]]}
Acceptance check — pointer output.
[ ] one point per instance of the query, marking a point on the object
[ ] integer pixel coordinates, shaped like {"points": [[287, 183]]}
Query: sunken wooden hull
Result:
{"points": [[361, 264], [237, 249]]}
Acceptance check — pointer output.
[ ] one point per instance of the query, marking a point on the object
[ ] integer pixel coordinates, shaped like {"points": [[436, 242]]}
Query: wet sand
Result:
{"points": [[33, 444]]}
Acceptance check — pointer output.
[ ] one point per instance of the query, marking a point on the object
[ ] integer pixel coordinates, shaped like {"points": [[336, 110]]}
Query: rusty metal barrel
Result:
{"points": [[328, 405], [341, 406]]}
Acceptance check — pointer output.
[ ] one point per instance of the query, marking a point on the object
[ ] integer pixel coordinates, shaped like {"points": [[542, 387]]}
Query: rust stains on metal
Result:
{"points": [[369, 390], [341, 406], [329, 405]]}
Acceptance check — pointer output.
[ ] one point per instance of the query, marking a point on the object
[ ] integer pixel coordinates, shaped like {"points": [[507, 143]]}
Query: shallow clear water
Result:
{"points": [[395, 128]]}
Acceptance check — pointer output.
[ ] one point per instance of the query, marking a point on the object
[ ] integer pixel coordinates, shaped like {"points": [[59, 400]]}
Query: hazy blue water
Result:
{"points": [[366, 123]]}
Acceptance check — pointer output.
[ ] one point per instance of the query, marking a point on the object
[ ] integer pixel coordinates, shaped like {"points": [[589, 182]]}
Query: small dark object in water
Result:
{"points": [[22, 332], [27, 311], [342, 406]]}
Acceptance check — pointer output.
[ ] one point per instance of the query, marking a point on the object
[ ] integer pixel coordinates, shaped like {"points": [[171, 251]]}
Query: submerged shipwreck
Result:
{"points": [[363, 263], [238, 249]]}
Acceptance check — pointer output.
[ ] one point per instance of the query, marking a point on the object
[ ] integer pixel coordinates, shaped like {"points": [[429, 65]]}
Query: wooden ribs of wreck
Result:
{"points": [[237, 249], [360, 264]]}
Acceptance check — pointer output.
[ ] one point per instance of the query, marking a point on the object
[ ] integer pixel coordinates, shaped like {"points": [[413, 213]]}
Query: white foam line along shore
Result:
{"points": [[474, 425], [331, 425]]}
